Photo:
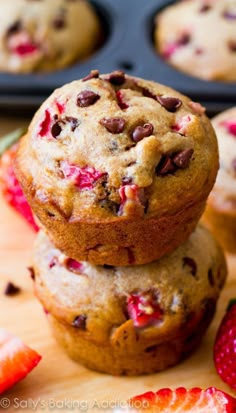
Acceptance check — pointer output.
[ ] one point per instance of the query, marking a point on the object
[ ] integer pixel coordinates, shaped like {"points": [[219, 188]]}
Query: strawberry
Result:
{"points": [[10, 186], [144, 308], [225, 347], [16, 360], [181, 400]]}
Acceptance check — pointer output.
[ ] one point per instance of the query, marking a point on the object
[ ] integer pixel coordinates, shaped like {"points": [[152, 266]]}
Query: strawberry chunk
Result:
{"points": [[225, 347], [84, 178], [144, 308], [11, 188], [21, 44], [230, 126], [131, 194], [44, 126], [16, 360], [179, 400], [182, 124], [73, 265]]}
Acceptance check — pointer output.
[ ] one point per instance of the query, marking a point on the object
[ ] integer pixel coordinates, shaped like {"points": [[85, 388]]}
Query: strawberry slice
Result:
{"points": [[225, 347], [11, 189], [144, 309], [181, 400], [16, 360]]}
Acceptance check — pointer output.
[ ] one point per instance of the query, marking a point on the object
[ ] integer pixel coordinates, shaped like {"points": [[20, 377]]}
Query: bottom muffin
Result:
{"points": [[131, 320]]}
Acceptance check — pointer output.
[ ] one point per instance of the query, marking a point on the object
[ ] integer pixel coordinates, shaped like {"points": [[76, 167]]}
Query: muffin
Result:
{"points": [[220, 214], [118, 169], [131, 320], [45, 35], [202, 39]]}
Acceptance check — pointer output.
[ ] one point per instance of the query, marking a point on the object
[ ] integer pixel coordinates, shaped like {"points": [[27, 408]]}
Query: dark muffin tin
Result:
{"points": [[128, 46]]}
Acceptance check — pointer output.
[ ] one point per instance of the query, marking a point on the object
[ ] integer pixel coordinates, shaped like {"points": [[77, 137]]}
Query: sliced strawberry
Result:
{"points": [[84, 178], [225, 347], [181, 400], [11, 189], [144, 308], [16, 360], [73, 265]]}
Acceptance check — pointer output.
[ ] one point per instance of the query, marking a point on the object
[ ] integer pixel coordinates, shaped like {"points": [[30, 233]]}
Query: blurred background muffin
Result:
{"points": [[220, 214], [199, 37], [46, 35]]}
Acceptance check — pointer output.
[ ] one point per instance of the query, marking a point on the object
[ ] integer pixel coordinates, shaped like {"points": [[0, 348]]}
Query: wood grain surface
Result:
{"points": [[58, 384]]}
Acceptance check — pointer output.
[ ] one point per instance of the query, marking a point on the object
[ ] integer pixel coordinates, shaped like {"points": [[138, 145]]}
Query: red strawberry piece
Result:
{"points": [[182, 124], [60, 106], [131, 193], [225, 347], [84, 178], [144, 308], [120, 100], [21, 44], [179, 400], [16, 360], [45, 124], [73, 265], [230, 126], [172, 47], [11, 188]]}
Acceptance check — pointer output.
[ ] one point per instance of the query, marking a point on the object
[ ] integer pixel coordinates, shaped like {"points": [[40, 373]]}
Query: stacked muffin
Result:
{"points": [[117, 170]]}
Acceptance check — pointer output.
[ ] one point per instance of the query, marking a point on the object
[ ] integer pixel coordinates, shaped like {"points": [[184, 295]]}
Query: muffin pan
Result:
{"points": [[128, 46]]}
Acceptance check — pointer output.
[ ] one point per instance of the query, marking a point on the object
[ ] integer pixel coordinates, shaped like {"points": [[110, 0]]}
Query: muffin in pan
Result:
{"points": [[118, 169], [220, 214], [131, 320], [46, 35], [201, 41]]}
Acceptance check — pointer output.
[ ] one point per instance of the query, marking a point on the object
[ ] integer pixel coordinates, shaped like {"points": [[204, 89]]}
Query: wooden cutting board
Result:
{"points": [[59, 384]]}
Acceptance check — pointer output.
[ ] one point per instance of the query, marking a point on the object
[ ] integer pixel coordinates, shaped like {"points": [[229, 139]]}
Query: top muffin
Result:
{"points": [[198, 37], [45, 34], [117, 149]]}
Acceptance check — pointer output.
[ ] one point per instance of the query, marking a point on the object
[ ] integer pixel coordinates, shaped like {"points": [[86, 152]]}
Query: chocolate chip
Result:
{"points": [[11, 289], [117, 78], [147, 93], [165, 166], [127, 180], [229, 15], [204, 8], [182, 159], [56, 129], [232, 45], [94, 74], [31, 272], [80, 322], [169, 103], [14, 28], [184, 39], [73, 122], [187, 261], [59, 23], [141, 132], [87, 98], [113, 125], [210, 277]]}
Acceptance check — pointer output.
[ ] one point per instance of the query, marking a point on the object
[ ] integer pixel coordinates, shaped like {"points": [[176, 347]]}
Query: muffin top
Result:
{"points": [[157, 294], [45, 34], [115, 145], [225, 127], [202, 39]]}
